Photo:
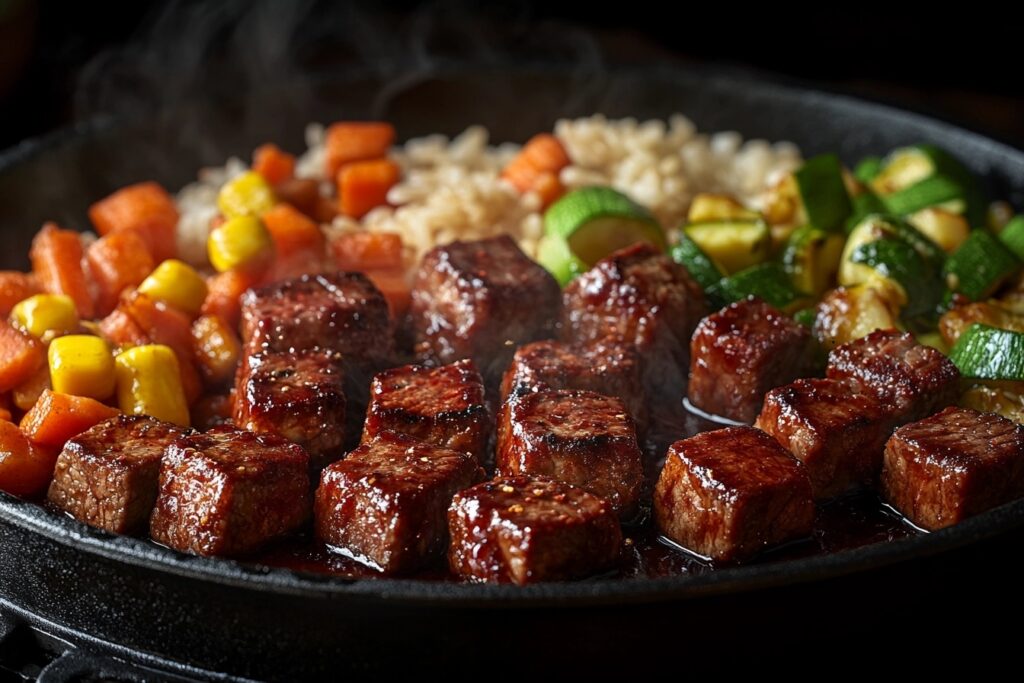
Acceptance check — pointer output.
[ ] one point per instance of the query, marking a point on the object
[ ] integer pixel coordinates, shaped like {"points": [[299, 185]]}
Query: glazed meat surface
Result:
{"points": [[739, 353], [952, 465], [107, 476], [729, 493], [230, 492], [528, 529], [385, 504], [606, 366], [836, 431], [443, 406], [910, 379], [479, 300], [299, 395], [578, 437]]}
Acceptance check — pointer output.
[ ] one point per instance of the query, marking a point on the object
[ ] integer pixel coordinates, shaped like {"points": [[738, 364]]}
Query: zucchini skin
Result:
{"points": [[984, 352], [981, 264], [823, 192]]}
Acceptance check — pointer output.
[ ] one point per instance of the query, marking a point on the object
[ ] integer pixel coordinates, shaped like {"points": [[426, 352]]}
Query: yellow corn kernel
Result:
{"points": [[149, 383], [81, 365], [42, 313], [217, 348], [241, 242], [247, 195], [177, 284]]}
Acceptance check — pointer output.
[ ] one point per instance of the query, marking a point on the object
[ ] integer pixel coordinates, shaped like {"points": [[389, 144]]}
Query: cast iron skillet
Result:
{"points": [[217, 615]]}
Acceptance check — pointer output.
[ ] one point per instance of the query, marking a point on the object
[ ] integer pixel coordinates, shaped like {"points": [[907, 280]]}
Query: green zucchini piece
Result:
{"points": [[984, 352], [811, 258], [557, 258], [898, 261], [733, 244], [933, 191], [595, 221], [864, 204], [699, 264], [980, 266], [767, 281], [878, 226], [912, 178], [806, 316], [1013, 236], [866, 170], [823, 192]]}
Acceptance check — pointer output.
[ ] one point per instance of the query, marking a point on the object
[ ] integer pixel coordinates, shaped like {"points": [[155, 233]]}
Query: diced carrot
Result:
{"points": [[25, 468], [117, 262], [325, 211], [162, 324], [145, 208], [20, 356], [364, 185], [350, 141], [543, 154], [5, 415], [217, 349], [367, 250], [15, 287], [302, 193], [275, 165], [121, 330], [548, 187], [55, 418], [292, 231], [57, 263], [223, 292], [395, 288], [28, 392], [217, 221], [191, 380]]}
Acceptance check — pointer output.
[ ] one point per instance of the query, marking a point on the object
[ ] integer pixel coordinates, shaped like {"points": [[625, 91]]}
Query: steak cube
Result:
{"points": [[729, 493], [443, 406], [606, 366], [299, 395], [528, 529], [385, 503], [107, 476], [837, 432], [912, 380], [230, 492], [945, 468], [577, 437], [479, 300], [739, 353]]}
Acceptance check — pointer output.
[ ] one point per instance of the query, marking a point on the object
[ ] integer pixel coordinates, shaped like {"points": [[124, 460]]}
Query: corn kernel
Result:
{"points": [[247, 195], [42, 313], [149, 383], [241, 242], [81, 365], [177, 284]]}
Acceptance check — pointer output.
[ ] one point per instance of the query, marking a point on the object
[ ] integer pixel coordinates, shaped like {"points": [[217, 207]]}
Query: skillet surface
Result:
{"points": [[81, 580]]}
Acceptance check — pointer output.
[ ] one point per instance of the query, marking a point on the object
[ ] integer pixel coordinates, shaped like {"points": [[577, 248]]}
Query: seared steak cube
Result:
{"points": [[579, 437], [837, 432], [107, 476], [479, 300], [640, 295], [299, 395], [729, 493], [945, 468], [912, 380], [528, 529], [444, 406], [385, 503], [606, 366], [230, 492], [739, 353]]}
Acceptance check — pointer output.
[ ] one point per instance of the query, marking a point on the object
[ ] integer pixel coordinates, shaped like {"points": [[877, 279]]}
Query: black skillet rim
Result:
{"points": [[144, 554]]}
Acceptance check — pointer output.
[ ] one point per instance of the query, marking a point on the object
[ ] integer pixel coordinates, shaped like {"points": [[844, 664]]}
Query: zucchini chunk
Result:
{"points": [[767, 281], [823, 192], [733, 244], [811, 258], [700, 266], [985, 352], [980, 266], [913, 178]]}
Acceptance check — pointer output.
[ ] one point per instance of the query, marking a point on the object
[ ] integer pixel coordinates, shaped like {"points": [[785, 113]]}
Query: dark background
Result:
{"points": [[63, 61]]}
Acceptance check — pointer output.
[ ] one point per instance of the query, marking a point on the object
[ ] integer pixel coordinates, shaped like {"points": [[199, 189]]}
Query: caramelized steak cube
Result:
{"points": [[912, 380], [945, 468], [837, 432], [479, 300], [739, 353], [230, 492], [606, 366], [107, 476], [385, 503], [729, 493], [443, 406], [299, 395], [640, 295], [528, 529], [577, 437]]}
